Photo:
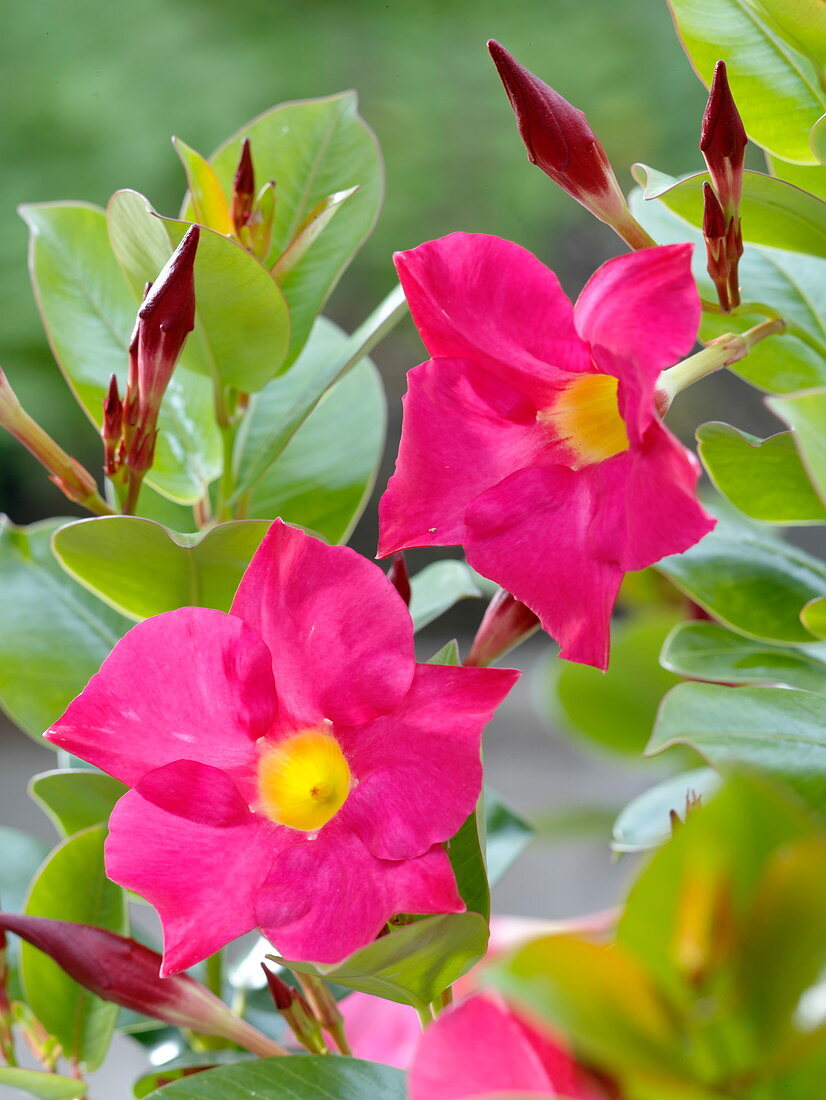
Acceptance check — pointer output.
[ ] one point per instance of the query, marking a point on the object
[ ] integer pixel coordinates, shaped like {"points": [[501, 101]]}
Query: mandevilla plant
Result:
{"points": [[245, 737]]}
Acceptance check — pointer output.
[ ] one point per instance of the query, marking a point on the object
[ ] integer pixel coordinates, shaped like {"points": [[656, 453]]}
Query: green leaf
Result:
{"points": [[805, 413], [617, 708], [413, 964], [707, 651], [466, 850], [300, 1077], [322, 363], [141, 569], [506, 836], [811, 178], [75, 798], [775, 87], [210, 204], [185, 1066], [764, 478], [22, 855], [242, 327], [437, 587], [312, 148], [800, 22], [72, 885], [88, 311], [750, 580], [778, 730], [46, 1086], [773, 212], [645, 822], [323, 477], [791, 283], [813, 617], [817, 140], [54, 634], [447, 655]]}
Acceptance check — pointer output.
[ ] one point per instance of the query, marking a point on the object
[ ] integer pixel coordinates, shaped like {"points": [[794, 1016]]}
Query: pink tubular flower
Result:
{"points": [[481, 1048], [532, 436], [292, 767]]}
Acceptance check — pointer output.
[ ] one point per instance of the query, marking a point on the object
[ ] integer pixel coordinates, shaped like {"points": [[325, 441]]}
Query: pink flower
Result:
{"points": [[481, 1048], [292, 767], [532, 436]]}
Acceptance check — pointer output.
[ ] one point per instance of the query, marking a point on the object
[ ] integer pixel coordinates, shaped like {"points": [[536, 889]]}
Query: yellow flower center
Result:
{"points": [[304, 780], [586, 416]]}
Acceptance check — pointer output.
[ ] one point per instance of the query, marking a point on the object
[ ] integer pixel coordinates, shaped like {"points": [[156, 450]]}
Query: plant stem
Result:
{"points": [[425, 1016]]}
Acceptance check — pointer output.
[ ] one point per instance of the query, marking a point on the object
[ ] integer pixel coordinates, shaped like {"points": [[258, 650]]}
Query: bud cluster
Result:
{"points": [[723, 145], [252, 215]]}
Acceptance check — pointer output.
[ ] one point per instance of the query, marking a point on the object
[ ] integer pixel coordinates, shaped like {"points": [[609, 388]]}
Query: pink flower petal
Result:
{"points": [[532, 535], [190, 684], [419, 772], [327, 896], [643, 309], [463, 430], [197, 792], [650, 507], [201, 878], [379, 1030], [478, 297], [476, 1049]]}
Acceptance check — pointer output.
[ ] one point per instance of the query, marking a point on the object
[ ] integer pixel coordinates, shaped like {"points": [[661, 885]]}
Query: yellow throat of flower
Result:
{"points": [[304, 780], [586, 416]]}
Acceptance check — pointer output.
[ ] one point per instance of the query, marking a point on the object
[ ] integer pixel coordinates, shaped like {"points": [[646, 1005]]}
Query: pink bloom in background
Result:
{"points": [[293, 767], [532, 437], [481, 1048]]}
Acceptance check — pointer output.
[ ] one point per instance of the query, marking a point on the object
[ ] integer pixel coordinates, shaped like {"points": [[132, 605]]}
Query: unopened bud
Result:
{"points": [[505, 624], [399, 576], [243, 188], [125, 972], [723, 142], [112, 428], [256, 235], [560, 141], [714, 233], [296, 1011]]}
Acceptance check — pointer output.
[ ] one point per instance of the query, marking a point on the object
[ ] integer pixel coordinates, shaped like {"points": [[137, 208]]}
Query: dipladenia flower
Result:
{"points": [[532, 436], [481, 1048], [293, 767]]}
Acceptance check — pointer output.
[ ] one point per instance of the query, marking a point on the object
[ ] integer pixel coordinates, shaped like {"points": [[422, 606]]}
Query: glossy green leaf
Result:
{"points": [[617, 708], [322, 363], [808, 177], [813, 617], [506, 836], [210, 205], [801, 23], [805, 413], [242, 327], [46, 1086], [437, 587], [301, 1077], [185, 1066], [764, 478], [323, 477], [54, 634], [775, 87], [707, 651], [792, 284], [141, 569], [778, 730], [21, 856], [817, 140], [645, 822], [466, 850], [312, 148], [75, 798], [72, 885], [750, 580], [773, 212], [413, 964], [89, 311]]}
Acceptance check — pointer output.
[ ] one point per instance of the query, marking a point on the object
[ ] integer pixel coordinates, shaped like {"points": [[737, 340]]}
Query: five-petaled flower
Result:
{"points": [[532, 436], [293, 767]]}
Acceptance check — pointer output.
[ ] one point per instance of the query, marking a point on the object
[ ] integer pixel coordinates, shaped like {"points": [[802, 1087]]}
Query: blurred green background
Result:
{"points": [[93, 91]]}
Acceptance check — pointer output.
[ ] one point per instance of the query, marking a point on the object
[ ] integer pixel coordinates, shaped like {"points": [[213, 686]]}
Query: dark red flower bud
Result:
{"points": [[122, 970], [243, 188], [506, 623], [399, 576], [296, 1011], [723, 142], [561, 143], [112, 429], [282, 994]]}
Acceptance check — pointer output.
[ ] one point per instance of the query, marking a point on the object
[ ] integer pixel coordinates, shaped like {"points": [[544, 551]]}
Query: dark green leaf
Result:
{"points": [[75, 799], [72, 885], [300, 1077], [54, 634], [142, 569], [186, 1066]]}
